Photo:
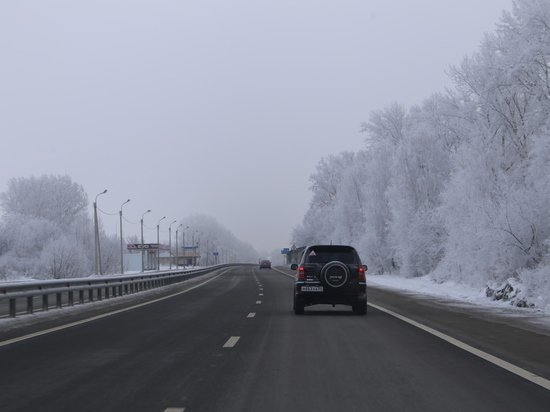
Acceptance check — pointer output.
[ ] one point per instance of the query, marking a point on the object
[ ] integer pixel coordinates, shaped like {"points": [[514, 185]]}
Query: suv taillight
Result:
{"points": [[301, 275], [361, 274]]}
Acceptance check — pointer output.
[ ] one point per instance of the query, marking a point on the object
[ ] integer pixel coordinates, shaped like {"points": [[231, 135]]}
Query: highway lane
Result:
{"points": [[171, 354]]}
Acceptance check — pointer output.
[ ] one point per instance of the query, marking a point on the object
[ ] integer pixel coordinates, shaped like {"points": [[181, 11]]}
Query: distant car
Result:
{"points": [[265, 264], [330, 274]]}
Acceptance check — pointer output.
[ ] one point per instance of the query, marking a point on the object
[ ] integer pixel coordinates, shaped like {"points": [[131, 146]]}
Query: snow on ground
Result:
{"points": [[457, 294], [427, 286]]}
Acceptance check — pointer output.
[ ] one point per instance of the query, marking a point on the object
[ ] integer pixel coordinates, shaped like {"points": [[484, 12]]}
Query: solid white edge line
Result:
{"points": [[516, 370], [231, 342], [283, 273], [525, 374], [80, 322]]}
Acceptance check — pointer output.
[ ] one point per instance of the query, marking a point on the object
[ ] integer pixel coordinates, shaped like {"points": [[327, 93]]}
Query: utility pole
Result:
{"points": [[177, 252], [170, 241], [158, 243], [98, 270], [142, 244], [121, 240]]}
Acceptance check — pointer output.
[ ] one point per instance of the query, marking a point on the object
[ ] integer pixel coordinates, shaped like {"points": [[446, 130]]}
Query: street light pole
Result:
{"points": [[177, 253], [194, 247], [158, 243], [183, 245], [170, 241], [98, 270], [199, 248], [142, 249], [207, 252], [121, 240]]}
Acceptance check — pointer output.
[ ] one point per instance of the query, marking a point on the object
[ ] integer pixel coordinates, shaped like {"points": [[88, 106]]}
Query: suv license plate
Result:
{"points": [[312, 288]]}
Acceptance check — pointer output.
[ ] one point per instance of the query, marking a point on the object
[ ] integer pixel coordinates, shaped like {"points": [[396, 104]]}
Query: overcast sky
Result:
{"points": [[219, 107]]}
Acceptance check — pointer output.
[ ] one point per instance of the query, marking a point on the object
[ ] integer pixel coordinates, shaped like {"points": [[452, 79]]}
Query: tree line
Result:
{"points": [[46, 232], [457, 187]]}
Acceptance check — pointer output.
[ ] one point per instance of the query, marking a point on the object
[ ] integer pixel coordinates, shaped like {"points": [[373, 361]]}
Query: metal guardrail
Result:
{"points": [[87, 290]]}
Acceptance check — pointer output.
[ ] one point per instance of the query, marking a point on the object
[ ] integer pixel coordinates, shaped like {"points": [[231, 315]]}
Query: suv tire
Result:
{"points": [[298, 306], [360, 308], [335, 274]]}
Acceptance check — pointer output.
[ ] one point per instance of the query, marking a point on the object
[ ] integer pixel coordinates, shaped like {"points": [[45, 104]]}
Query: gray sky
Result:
{"points": [[218, 107]]}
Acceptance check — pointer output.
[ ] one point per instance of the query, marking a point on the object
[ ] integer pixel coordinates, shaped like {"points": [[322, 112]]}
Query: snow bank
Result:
{"points": [[538, 302]]}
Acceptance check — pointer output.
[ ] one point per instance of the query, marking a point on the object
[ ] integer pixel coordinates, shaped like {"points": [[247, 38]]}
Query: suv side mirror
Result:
{"points": [[365, 267], [294, 266]]}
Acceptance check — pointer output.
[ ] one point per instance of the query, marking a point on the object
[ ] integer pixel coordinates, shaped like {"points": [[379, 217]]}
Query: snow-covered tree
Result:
{"points": [[45, 231], [54, 198], [457, 187], [210, 236]]}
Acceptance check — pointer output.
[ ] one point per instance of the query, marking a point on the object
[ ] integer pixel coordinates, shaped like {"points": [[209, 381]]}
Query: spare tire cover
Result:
{"points": [[335, 274]]}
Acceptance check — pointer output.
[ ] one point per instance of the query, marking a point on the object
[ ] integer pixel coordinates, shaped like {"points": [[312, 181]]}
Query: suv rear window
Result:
{"points": [[325, 254]]}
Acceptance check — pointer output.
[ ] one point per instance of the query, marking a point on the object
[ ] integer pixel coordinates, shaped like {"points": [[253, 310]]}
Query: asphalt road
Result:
{"points": [[229, 341]]}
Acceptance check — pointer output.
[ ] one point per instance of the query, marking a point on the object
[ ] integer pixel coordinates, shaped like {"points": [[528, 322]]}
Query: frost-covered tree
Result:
{"points": [[45, 231], [421, 168], [55, 198], [494, 203], [386, 125], [318, 223], [457, 187], [210, 236]]}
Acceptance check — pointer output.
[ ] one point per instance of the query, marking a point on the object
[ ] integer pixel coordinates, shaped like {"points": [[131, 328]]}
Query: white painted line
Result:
{"points": [[231, 342], [260, 294], [283, 273], [258, 302], [105, 315], [251, 314], [174, 410], [530, 376], [539, 380]]}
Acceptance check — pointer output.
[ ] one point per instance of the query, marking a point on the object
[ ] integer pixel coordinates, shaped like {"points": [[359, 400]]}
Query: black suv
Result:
{"points": [[330, 274]]}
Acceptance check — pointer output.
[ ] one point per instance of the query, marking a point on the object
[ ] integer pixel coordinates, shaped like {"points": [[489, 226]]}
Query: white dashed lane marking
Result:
{"points": [[251, 315], [258, 302], [174, 410], [231, 342]]}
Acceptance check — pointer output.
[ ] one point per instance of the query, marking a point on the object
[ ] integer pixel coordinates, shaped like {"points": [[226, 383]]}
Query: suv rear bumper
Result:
{"points": [[348, 296]]}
